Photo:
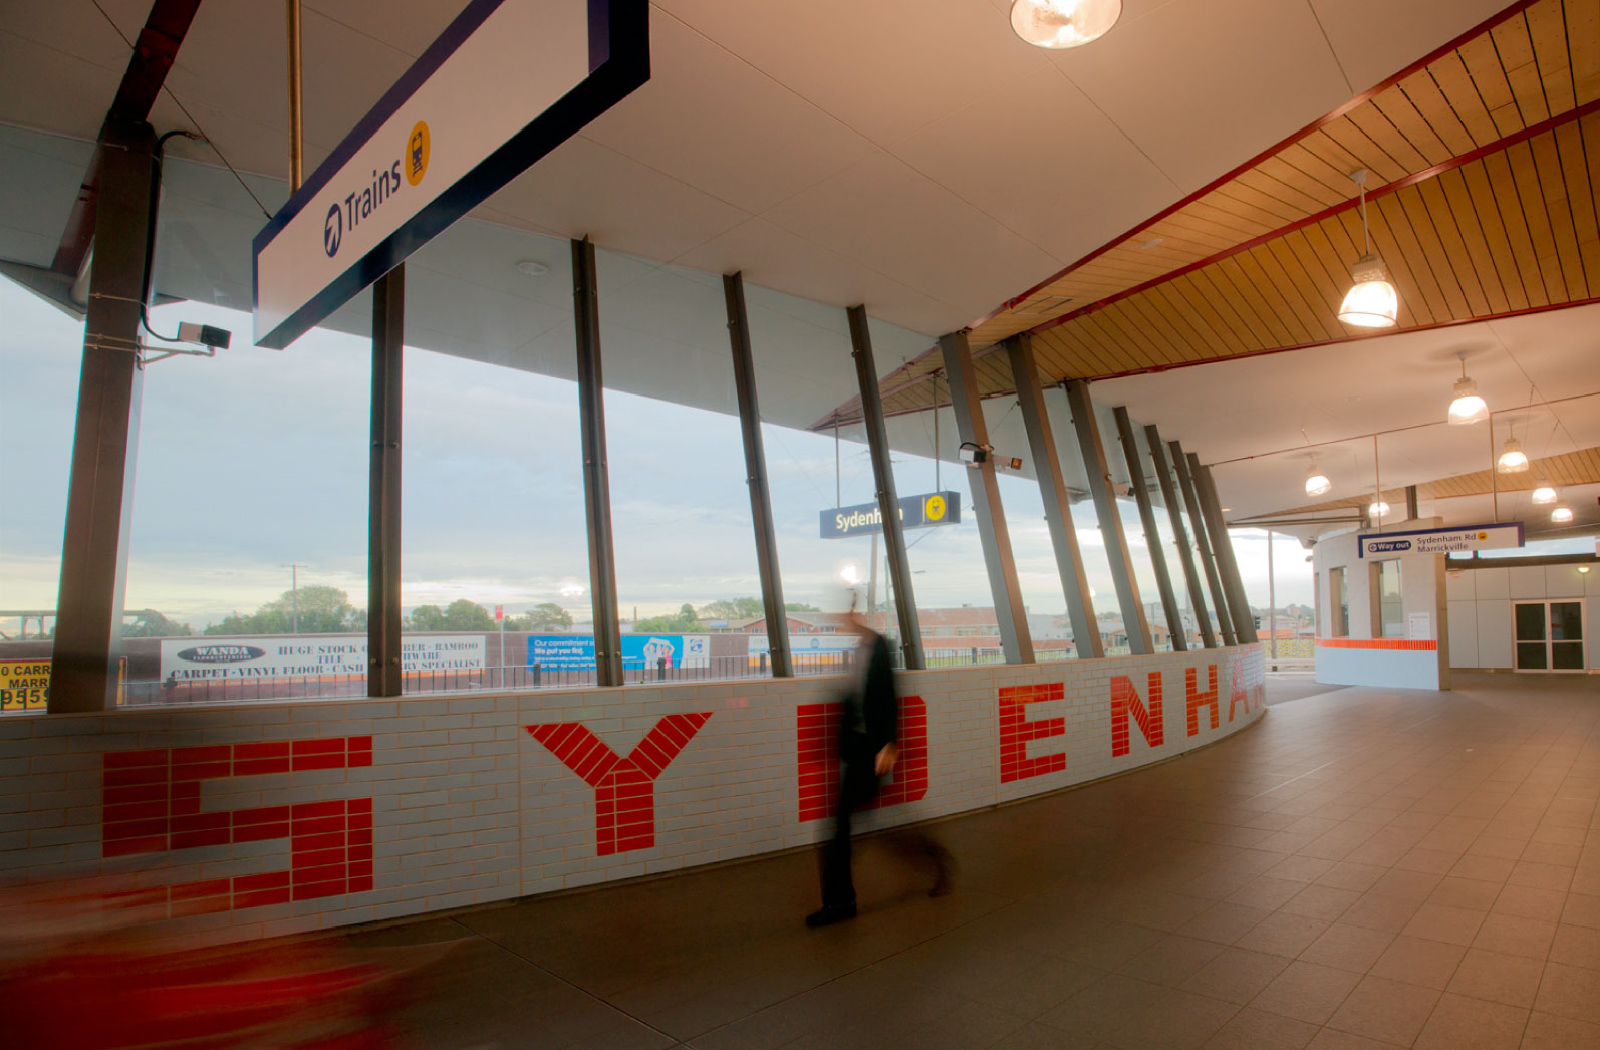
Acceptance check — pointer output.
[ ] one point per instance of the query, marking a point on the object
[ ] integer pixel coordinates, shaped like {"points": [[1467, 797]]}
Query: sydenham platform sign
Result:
{"points": [[1441, 541], [916, 512], [505, 84]]}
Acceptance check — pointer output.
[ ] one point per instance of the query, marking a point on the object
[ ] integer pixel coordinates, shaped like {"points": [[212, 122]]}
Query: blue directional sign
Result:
{"points": [[507, 82], [916, 512]]}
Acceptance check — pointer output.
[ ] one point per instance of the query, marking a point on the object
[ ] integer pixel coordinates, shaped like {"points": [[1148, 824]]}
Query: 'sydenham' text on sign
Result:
{"points": [[916, 512], [507, 82], [1441, 541]]}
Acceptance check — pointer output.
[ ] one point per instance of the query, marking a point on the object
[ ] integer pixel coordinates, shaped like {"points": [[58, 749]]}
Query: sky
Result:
{"points": [[252, 469]]}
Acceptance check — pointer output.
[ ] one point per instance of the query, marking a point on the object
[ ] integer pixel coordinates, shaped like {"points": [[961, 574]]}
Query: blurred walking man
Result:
{"points": [[868, 750]]}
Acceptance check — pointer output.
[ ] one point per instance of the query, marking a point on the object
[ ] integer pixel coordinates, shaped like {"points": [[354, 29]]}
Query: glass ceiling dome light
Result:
{"points": [[1513, 460], [1372, 301], [1317, 482], [1561, 515], [1058, 24], [1544, 494], [1467, 406], [1377, 510]]}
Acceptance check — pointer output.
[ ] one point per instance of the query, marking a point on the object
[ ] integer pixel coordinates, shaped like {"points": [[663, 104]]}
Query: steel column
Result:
{"points": [[1169, 496], [894, 540], [1238, 601], [1015, 638], [1152, 536], [385, 673], [1191, 502], [755, 469], [1105, 506], [596, 475], [1057, 506], [105, 442]]}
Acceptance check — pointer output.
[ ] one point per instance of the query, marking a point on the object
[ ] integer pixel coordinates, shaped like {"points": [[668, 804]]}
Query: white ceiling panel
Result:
{"points": [[1375, 39], [884, 68], [884, 215], [1203, 85], [1055, 170], [752, 141]]}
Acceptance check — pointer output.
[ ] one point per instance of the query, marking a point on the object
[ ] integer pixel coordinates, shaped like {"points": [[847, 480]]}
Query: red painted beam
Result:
{"points": [[153, 55]]}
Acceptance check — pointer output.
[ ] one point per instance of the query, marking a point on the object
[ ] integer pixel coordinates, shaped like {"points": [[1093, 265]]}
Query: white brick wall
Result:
{"points": [[467, 806]]}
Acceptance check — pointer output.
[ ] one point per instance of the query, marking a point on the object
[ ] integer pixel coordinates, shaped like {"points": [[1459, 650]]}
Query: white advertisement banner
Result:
{"points": [[1441, 541], [311, 656]]}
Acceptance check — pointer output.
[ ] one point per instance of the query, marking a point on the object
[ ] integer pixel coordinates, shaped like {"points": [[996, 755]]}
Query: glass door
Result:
{"points": [[1550, 636], [1566, 636], [1533, 647]]}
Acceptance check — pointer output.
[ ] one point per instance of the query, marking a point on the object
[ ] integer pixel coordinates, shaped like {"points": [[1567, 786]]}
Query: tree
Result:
{"points": [[460, 615], [318, 609], [686, 619], [799, 607], [732, 609], [548, 616], [150, 624]]}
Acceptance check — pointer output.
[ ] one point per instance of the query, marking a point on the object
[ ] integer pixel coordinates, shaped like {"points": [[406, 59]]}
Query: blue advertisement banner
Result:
{"points": [[575, 652]]}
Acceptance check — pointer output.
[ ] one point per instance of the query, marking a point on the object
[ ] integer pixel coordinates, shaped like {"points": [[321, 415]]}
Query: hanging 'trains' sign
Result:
{"points": [[506, 83]]}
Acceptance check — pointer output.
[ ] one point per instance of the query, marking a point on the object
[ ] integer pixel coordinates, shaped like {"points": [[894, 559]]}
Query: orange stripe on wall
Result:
{"points": [[1416, 644]]}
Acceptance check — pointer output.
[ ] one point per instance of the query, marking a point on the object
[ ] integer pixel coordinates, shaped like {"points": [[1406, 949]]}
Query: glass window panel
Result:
{"points": [[40, 351], [1531, 656], [1390, 608], [1530, 621], [1340, 598], [1566, 621], [1566, 656]]}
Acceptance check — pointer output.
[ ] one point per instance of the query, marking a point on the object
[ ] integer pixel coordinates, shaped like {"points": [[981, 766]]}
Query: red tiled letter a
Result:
{"points": [[624, 788]]}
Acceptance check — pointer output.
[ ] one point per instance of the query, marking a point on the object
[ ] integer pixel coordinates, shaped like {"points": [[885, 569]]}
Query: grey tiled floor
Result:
{"points": [[1364, 869]]}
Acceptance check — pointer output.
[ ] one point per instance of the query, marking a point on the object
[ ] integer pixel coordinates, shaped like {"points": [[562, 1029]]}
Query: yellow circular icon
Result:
{"points": [[417, 153], [1483, 535], [934, 509]]}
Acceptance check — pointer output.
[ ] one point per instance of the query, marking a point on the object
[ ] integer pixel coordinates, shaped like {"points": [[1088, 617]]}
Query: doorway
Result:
{"points": [[1550, 636]]}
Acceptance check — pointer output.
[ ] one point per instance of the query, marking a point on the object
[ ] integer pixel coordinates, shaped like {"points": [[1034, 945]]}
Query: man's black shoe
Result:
{"points": [[830, 914]]}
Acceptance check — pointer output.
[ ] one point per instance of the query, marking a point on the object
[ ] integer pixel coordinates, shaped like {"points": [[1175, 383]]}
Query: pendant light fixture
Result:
{"points": [[1561, 515], [1377, 509], [1544, 494], [1317, 482], [1058, 24], [1467, 406], [1372, 301], [1513, 460]]}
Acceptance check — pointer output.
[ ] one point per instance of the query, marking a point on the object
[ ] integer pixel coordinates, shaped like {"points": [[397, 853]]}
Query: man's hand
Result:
{"points": [[883, 765]]}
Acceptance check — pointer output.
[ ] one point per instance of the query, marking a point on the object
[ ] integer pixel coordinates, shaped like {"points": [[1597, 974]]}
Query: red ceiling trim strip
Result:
{"points": [[1482, 27], [1498, 146]]}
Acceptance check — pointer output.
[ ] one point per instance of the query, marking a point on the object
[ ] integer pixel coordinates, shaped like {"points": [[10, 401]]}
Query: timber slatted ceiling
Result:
{"points": [[1483, 200], [1570, 468]]}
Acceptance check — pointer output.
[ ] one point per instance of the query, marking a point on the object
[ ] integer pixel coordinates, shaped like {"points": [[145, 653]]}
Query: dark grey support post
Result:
{"points": [[1105, 507], [596, 477], [1169, 496], [894, 540], [1244, 623], [1191, 502], [755, 469], [1152, 536], [105, 440], [1015, 638], [385, 672], [1057, 507]]}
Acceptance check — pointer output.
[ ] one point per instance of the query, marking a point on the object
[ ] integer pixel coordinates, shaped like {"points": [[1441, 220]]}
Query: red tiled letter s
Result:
{"points": [[150, 803], [1125, 701], [817, 746], [624, 788]]}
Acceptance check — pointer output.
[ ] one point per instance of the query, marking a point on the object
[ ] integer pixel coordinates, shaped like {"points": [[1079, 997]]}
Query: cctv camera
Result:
{"points": [[205, 335]]}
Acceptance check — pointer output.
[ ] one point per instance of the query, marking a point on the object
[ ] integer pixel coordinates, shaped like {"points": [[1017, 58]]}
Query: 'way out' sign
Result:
{"points": [[1441, 541], [505, 84]]}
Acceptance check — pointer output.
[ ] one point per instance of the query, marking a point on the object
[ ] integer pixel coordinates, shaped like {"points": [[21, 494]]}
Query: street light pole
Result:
{"points": [[294, 598]]}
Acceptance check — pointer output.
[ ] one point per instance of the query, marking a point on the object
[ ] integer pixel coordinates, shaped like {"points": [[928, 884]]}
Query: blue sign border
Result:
{"points": [[1522, 538], [619, 61]]}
